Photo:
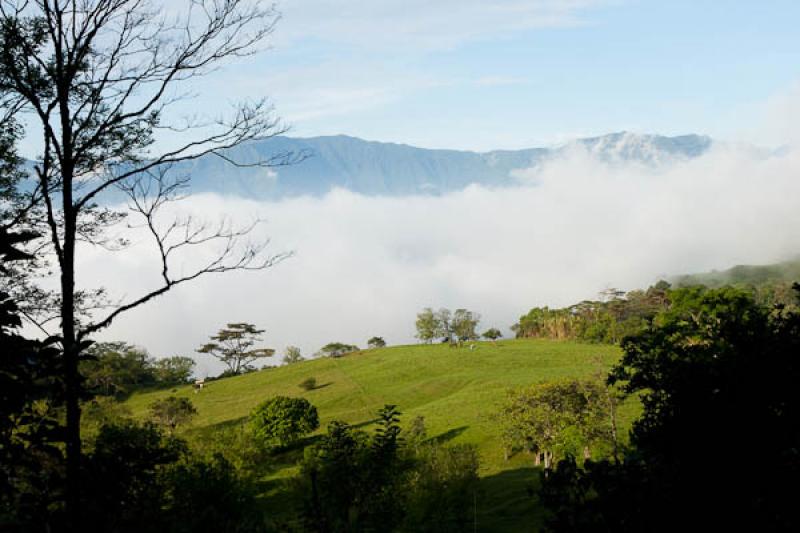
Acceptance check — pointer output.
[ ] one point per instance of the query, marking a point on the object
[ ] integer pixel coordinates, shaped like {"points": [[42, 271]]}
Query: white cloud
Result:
{"points": [[365, 265], [422, 24]]}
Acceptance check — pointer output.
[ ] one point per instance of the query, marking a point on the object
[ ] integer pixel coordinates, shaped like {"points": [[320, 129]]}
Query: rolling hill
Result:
{"points": [[456, 390]]}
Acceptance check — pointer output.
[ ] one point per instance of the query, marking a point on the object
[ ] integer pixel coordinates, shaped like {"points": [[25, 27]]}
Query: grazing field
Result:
{"points": [[456, 389]]}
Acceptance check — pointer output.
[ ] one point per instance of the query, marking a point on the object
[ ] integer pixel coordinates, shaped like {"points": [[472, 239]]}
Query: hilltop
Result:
{"points": [[456, 389]]}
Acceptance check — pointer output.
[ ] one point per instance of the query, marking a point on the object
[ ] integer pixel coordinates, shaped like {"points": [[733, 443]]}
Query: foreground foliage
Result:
{"points": [[717, 445]]}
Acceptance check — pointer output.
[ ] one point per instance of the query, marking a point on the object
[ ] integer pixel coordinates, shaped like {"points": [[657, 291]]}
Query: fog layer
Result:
{"points": [[364, 266]]}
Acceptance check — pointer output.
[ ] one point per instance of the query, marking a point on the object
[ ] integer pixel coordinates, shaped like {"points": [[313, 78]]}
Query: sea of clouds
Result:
{"points": [[364, 266]]}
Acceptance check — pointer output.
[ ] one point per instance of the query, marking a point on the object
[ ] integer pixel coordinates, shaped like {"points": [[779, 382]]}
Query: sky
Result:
{"points": [[484, 75]]}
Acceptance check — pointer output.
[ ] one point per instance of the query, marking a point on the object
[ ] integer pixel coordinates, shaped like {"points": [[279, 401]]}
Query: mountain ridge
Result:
{"points": [[396, 169]]}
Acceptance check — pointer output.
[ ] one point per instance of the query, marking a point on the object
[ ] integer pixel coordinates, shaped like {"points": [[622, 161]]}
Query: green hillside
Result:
{"points": [[455, 389], [744, 275]]}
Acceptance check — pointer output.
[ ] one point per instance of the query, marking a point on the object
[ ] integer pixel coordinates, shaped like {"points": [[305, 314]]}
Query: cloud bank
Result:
{"points": [[365, 265]]}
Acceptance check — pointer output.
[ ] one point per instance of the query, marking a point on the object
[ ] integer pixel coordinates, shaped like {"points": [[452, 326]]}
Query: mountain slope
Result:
{"points": [[376, 168]]}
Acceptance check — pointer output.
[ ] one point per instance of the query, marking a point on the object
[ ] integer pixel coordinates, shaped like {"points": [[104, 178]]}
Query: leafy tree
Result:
{"points": [[98, 78], [556, 419], [172, 412], [292, 355], [376, 342], [233, 346], [281, 420], [716, 373], [492, 334], [464, 325], [173, 370], [443, 327], [351, 482], [337, 349], [113, 368], [309, 383], [427, 325]]}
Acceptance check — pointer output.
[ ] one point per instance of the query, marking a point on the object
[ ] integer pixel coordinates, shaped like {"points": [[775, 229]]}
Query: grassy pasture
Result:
{"points": [[455, 389]]}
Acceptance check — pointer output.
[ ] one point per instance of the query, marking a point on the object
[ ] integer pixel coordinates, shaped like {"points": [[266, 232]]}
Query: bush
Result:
{"points": [[281, 420], [172, 412], [309, 384]]}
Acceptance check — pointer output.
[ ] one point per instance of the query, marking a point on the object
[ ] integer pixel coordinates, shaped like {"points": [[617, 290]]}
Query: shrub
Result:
{"points": [[309, 383], [172, 412], [281, 420], [376, 342]]}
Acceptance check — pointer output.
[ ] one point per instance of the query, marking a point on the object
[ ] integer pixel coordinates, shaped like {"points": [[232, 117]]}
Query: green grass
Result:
{"points": [[457, 391]]}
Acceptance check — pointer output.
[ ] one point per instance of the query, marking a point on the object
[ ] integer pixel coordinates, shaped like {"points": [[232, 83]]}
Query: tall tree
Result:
{"points": [[426, 325], [464, 325], [98, 80], [234, 346]]}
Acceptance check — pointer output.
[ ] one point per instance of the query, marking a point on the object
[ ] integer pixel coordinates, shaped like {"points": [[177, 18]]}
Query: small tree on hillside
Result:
{"points": [[427, 325], [234, 346], [376, 342], [172, 412], [464, 325], [337, 349], [292, 355], [492, 334], [281, 420]]}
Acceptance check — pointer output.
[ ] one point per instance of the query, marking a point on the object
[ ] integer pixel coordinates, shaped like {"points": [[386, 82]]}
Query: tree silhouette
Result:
{"points": [[97, 79], [233, 346]]}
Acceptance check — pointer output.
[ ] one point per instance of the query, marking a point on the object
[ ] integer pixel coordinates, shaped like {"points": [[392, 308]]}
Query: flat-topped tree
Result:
{"points": [[233, 345]]}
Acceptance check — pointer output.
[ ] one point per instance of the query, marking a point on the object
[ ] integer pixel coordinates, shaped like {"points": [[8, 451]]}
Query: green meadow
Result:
{"points": [[456, 390]]}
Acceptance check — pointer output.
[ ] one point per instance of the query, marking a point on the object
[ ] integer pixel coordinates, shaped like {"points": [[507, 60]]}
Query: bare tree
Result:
{"points": [[96, 79]]}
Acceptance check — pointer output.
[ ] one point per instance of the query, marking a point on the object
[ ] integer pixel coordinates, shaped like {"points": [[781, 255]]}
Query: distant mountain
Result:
{"points": [[376, 168]]}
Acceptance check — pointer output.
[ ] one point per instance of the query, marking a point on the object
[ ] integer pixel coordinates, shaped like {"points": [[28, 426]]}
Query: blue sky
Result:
{"points": [[492, 74], [507, 74]]}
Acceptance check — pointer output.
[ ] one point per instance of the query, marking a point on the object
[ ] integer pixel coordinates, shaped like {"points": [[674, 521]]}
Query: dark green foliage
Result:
{"points": [[31, 395], [352, 481], [309, 383], [210, 496], [337, 349], [172, 412], [717, 444], [607, 321], [281, 420], [376, 342], [441, 489], [116, 368], [122, 487], [138, 479]]}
